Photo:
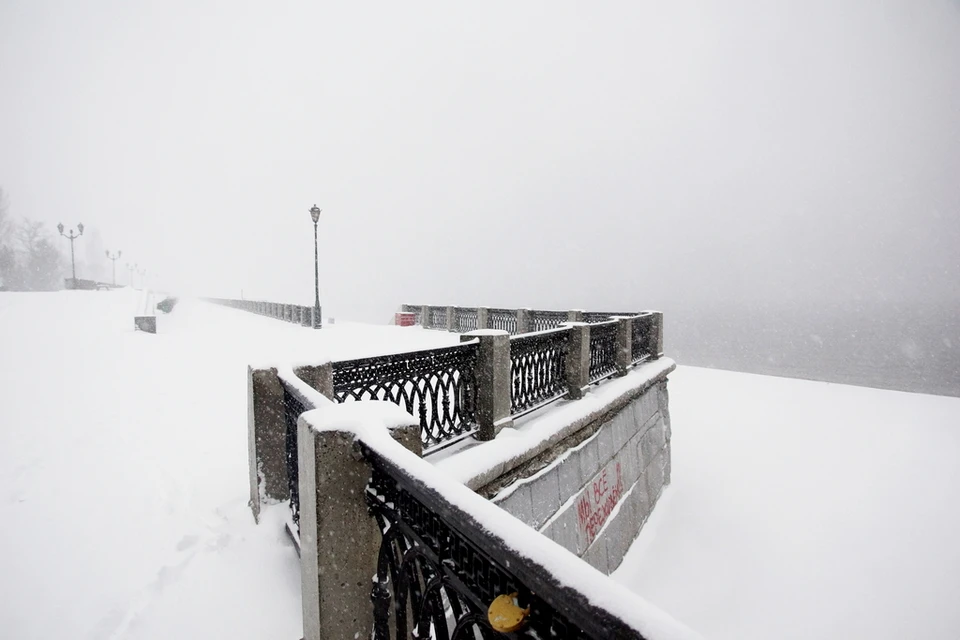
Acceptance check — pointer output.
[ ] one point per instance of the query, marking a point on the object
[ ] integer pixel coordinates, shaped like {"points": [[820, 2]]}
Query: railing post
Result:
{"points": [[578, 360], [575, 315], [320, 377], [266, 438], [624, 345], [523, 321], [451, 318], [425, 316], [339, 538], [656, 335], [482, 315], [493, 381]]}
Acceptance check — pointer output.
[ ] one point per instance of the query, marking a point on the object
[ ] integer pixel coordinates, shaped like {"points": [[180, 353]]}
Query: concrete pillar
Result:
{"points": [[287, 313], [624, 345], [575, 315], [320, 377], [656, 335], [482, 314], [266, 438], [339, 540], [493, 381], [425, 316], [451, 318], [578, 360], [523, 321]]}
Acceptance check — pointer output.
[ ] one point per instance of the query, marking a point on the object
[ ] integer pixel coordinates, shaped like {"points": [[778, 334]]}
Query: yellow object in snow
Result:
{"points": [[505, 615]]}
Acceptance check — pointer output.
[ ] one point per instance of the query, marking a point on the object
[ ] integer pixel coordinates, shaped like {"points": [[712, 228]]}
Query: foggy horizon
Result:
{"points": [[553, 156]]}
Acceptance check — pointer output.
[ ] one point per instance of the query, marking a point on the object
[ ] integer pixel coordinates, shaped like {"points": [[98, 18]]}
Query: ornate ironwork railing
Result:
{"points": [[438, 317], [293, 406], [437, 386], [641, 336], [438, 571], [544, 320], [502, 319], [603, 350], [466, 319], [538, 369]]}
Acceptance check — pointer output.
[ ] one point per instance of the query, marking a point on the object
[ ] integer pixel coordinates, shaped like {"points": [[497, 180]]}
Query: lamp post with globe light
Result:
{"points": [[317, 320], [71, 236]]}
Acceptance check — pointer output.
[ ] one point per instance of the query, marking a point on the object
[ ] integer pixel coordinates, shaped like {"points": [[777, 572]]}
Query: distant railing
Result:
{"points": [[603, 350], [294, 313], [438, 317], [643, 336], [466, 319], [503, 319], [436, 386], [537, 369], [545, 320]]}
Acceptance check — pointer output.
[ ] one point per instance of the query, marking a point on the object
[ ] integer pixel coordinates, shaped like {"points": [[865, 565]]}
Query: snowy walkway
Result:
{"points": [[123, 468], [816, 511]]}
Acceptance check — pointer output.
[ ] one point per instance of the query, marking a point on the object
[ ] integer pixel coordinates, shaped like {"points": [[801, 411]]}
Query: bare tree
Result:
{"points": [[41, 265]]}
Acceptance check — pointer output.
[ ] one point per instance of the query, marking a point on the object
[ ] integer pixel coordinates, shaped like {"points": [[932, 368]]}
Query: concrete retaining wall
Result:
{"points": [[594, 498]]}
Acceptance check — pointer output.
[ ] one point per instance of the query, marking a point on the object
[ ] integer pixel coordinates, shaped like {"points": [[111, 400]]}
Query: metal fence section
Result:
{"points": [[293, 406], [545, 320], [439, 570], [538, 369], [465, 319], [603, 350], [438, 317], [642, 336], [437, 386], [502, 319], [594, 317]]}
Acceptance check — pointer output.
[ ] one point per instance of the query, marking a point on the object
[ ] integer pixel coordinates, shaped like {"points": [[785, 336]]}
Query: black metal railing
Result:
{"points": [[538, 369], [642, 336], [466, 319], [603, 350], [502, 319], [545, 320], [439, 569], [438, 317], [293, 406], [437, 386], [594, 317]]}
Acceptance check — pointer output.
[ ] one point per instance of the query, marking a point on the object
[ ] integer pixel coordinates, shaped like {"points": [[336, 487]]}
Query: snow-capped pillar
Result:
{"points": [[451, 318], [266, 438], [624, 345], [575, 315], [482, 315], [523, 320], [578, 359], [339, 539], [493, 381], [425, 316], [320, 377], [655, 339]]}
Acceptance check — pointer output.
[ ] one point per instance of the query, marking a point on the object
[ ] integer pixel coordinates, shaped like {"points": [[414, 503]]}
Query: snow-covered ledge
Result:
{"points": [[586, 473], [340, 445]]}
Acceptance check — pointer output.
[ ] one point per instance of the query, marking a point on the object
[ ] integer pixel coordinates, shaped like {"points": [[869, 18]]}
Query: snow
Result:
{"points": [[797, 509], [805, 510], [123, 467]]}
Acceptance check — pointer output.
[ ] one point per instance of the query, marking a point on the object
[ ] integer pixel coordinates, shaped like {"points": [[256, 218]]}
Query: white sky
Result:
{"points": [[555, 154]]}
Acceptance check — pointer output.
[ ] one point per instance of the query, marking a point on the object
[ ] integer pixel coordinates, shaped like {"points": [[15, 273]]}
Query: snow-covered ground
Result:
{"points": [[805, 510], [797, 508], [123, 468]]}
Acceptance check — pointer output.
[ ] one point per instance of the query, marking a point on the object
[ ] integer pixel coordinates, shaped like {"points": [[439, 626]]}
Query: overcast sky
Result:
{"points": [[595, 155]]}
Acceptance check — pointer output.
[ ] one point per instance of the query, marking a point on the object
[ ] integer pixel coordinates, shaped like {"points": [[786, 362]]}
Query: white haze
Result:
{"points": [[594, 155]]}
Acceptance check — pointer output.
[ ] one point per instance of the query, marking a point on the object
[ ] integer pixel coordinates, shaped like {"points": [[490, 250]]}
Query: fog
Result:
{"points": [[737, 160]]}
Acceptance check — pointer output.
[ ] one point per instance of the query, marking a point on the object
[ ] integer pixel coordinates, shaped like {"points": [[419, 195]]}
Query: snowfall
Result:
{"points": [[797, 509]]}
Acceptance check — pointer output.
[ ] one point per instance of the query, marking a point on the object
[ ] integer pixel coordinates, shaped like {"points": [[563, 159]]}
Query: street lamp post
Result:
{"points": [[71, 236], [114, 259], [317, 321]]}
